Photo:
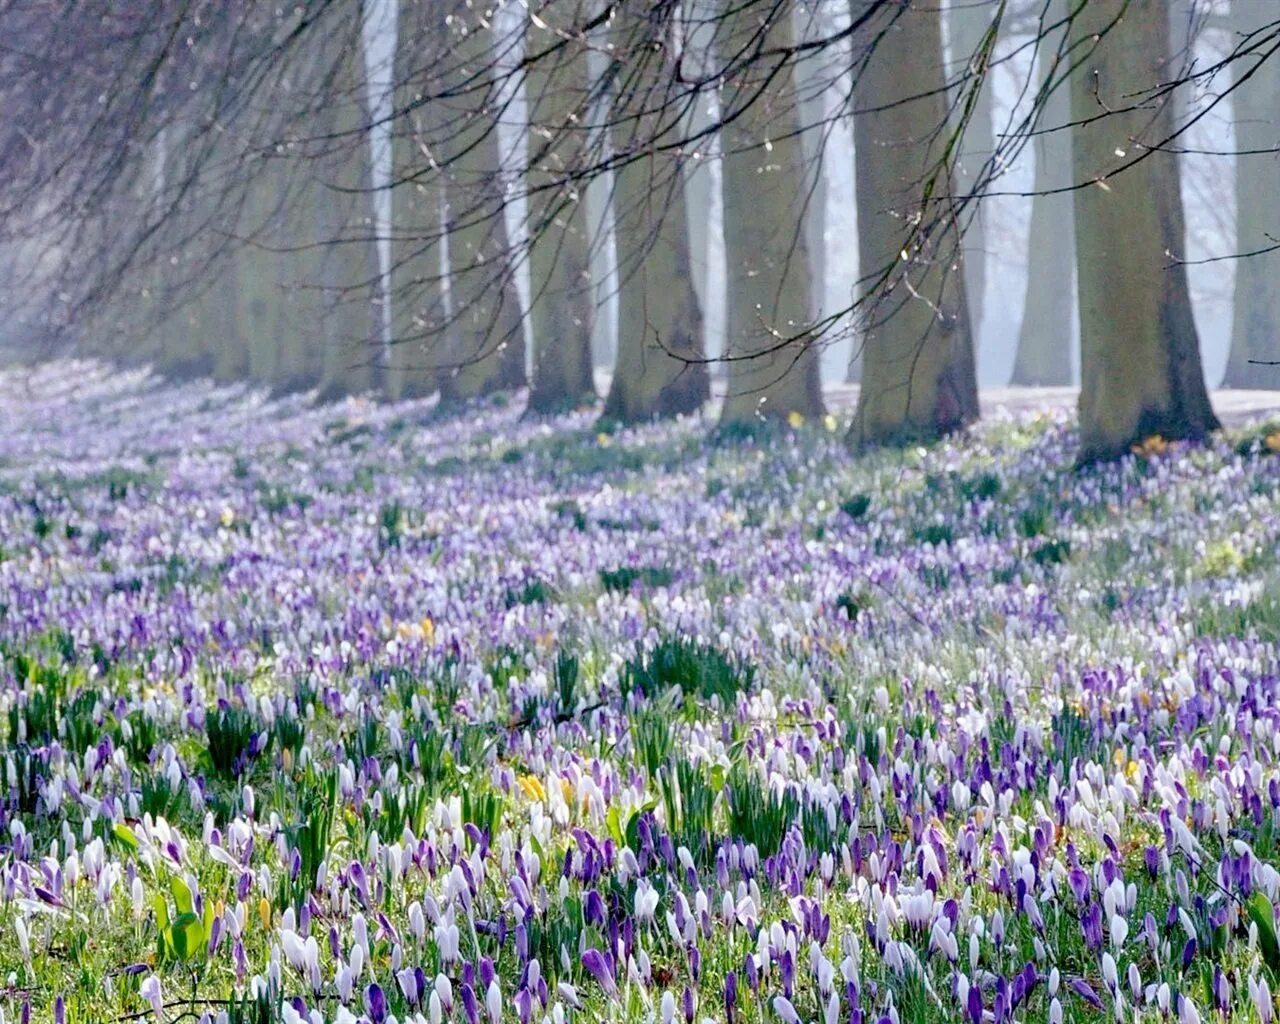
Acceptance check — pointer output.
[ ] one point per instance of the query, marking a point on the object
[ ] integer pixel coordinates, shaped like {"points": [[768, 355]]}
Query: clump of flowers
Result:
{"points": [[306, 724]]}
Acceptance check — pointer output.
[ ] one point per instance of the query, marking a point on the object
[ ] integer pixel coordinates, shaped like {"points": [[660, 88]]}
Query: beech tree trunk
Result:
{"points": [[1046, 337], [484, 342], [418, 317], [773, 359], [969, 24], [1255, 332], [348, 322], [918, 379], [1139, 352], [660, 369], [561, 296]]}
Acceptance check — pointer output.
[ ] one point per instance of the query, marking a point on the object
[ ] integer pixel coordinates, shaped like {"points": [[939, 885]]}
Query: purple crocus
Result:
{"points": [[375, 1003], [1085, 991], [600, 965]]}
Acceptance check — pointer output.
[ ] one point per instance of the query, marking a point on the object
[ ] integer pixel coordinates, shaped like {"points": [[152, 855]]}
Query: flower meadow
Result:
{"points": [[358, 713]]}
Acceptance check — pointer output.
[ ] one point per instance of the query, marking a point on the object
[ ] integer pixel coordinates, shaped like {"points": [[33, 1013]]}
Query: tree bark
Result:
{"points": [[561, 296], [704, 188], [918, 379], [1255, 331], [1139, 351], [773, 357], [347, 324], [1046, 336], [418, 315], [968, 25], [659, 369], [484, 342]]}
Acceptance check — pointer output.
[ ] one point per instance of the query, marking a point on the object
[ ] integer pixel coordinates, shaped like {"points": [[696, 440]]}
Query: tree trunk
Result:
{"points": [[773, 358], [484, 342], [1255, 331], [659, 369], [704, 189], [562, 301], [1139, 352], [968, 25], [260, 287], [1046, 336], [348, 324], [418, 315], [918, 379]]}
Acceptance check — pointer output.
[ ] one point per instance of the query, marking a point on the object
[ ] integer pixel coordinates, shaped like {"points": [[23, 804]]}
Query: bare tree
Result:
{"points": [[660, 370], [918, 370], [563, 309], [1139, 350], [773, 361], [1046, 337], [1255, 335]]}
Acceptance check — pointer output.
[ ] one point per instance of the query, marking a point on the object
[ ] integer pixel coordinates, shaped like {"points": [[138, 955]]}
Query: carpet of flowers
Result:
{"points": [[352, 712]]}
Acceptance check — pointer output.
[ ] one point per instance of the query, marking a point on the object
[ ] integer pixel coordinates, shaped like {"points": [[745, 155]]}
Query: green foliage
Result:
{"points": [[531, 591], [483, 809], [391, 525], [862, 735], [688, 801], [43, 526], [571, 510], [276, 501], [366, 740], [983, 487], [402, 807], [140, 739], [311, 831], [651, 739], [565, 676], [183, 933], [935, 577], [48, 700], [1259, 618], [1263, 914], [425, 747], [698, 669], [231, 733], [625, 577], [1052, 552], [264, 1005], [471, 744], [1073, 737], [757, 814], [1036, 520], [30, 765], [857, 506], [289, 733], [160, 798], [936, 534]]}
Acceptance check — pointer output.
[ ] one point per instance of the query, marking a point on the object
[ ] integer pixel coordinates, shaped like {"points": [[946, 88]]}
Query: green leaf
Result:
{"points": [[1261, 913], [614, 820], [125, 834], [161, 906], [187, 936], [181, 894], [633, 824]]}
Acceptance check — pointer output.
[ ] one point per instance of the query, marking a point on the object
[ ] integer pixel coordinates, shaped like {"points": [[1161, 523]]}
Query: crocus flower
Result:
{"points": [[600, 965], [150, 991]]}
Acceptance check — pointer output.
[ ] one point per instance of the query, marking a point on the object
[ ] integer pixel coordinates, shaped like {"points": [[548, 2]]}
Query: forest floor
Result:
{"points": [[358, 713]]}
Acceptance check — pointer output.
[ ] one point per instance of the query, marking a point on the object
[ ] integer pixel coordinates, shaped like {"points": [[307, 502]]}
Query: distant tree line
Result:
{"points": [[392, 196]]}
